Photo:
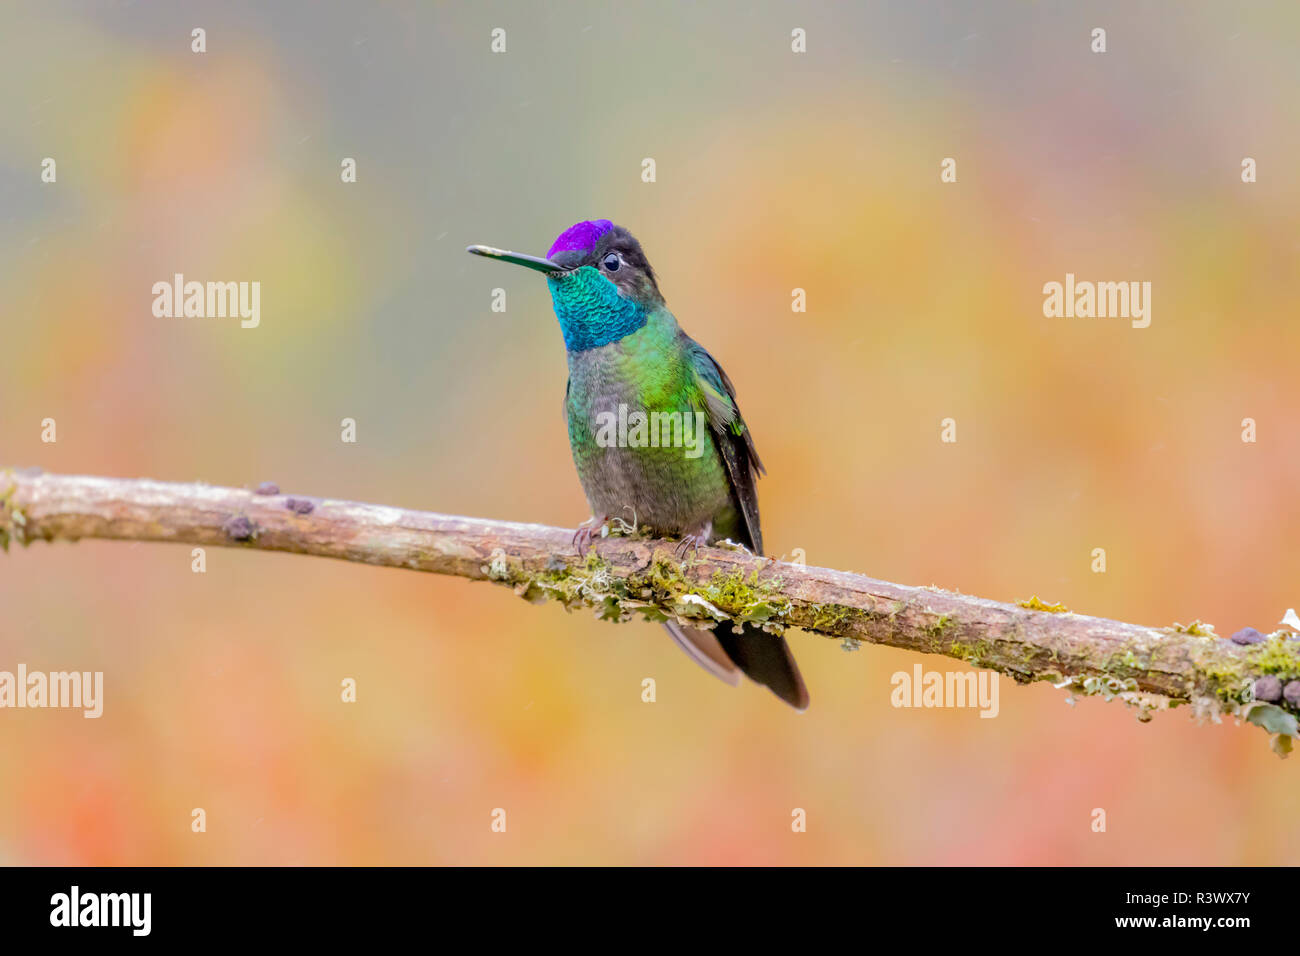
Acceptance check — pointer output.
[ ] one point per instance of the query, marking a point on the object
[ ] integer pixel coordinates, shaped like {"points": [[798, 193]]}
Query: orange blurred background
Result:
{"points": [[775, 170]]}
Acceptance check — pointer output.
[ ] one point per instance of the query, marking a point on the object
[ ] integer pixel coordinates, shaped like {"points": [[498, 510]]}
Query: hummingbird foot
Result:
{"points": [[693, 542], [588, 530]]}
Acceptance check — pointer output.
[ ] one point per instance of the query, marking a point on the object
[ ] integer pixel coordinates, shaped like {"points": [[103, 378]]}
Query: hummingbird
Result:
{"points": [[628, 357]]}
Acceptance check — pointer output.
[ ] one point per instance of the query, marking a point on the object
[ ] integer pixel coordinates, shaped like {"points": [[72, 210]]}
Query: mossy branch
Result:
{"points": [[625, 576]]}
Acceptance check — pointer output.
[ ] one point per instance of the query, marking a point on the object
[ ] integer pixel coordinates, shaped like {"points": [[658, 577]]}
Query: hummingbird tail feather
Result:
{"points": [[704, 649], [766, 659]]}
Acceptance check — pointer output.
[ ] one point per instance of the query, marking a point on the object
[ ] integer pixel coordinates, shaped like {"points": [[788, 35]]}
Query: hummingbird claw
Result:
{"points": [[586, 531], [693, 543]]}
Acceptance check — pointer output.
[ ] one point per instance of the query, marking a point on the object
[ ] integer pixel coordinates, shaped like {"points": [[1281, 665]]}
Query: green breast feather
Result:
{"points": [[671, 411]]}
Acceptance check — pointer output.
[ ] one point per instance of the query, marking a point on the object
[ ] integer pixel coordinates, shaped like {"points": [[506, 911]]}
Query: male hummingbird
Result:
{"points": [[628, 356]]}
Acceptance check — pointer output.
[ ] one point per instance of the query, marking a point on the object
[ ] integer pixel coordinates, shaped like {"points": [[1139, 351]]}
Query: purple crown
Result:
{"points": [[580, 237]]}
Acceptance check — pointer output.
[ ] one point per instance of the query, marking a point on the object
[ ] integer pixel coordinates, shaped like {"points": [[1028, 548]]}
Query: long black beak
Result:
{"points": [[528, 262]]}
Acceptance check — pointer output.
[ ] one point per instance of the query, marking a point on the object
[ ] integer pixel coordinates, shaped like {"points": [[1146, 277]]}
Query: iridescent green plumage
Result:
{"points": [[689, 467], [683, 486]]}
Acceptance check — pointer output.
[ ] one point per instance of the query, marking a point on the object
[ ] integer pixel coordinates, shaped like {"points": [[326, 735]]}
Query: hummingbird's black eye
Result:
{"points": [[611, 262]]}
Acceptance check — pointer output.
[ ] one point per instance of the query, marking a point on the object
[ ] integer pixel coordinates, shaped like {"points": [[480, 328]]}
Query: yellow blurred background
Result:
{"points": [[775, 170]]}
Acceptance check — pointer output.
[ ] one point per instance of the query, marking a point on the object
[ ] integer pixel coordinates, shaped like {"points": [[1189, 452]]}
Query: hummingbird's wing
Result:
{"points": [[731, 435], [763, 657]]}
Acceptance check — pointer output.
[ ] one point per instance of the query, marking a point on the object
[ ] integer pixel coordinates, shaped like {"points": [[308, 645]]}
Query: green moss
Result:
{"points": [[1224, 678], [593, 584], [664, 575], [746, 599], [740, 596], [1197, 628], [1036, 604], [1229, 676], [937, 629], [974, 654], [660, 592], [13, 522], [830, 618], [1125, 659], [1279, 656], [733, 590]]}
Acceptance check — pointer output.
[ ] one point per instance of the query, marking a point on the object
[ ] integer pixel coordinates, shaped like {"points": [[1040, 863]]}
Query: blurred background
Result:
{"points": [[775, 170]]}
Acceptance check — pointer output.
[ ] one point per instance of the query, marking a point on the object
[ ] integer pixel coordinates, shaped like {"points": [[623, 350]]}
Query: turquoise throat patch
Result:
{"points": [[591, 311]]}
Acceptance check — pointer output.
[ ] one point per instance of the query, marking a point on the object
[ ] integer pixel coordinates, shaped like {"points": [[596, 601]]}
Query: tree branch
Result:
{"points": [[1149, 668]]}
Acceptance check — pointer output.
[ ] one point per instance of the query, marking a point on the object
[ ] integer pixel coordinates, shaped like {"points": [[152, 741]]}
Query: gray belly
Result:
{"points": [[679, 487], [657, 488]]}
